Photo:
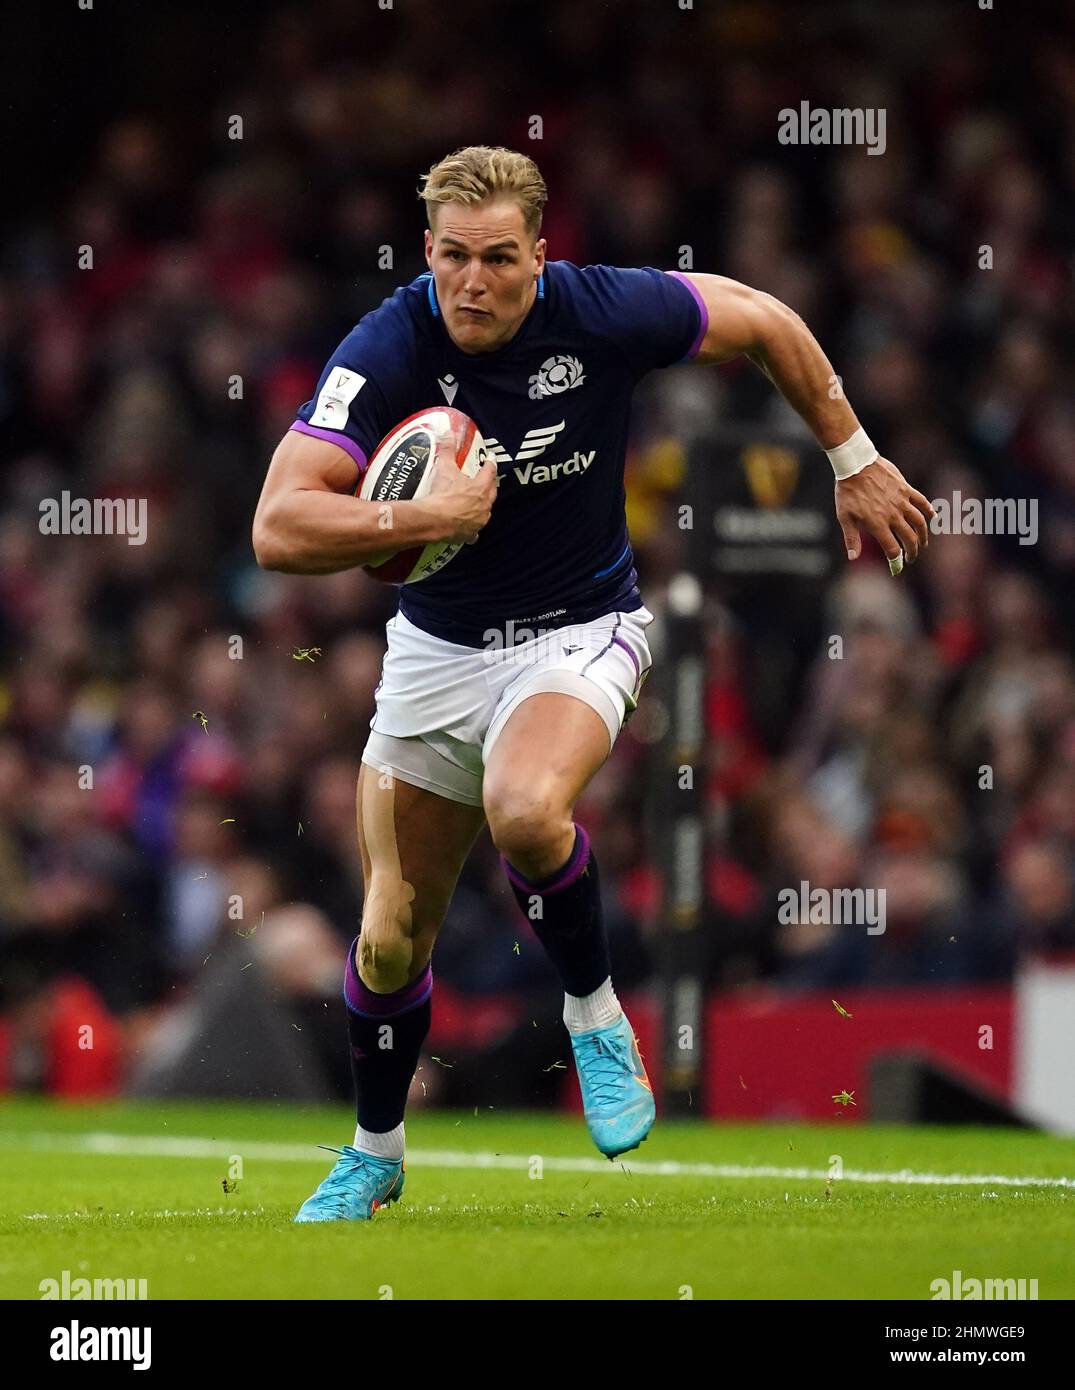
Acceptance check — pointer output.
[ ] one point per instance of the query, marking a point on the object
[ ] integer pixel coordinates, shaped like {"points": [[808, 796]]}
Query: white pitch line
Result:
{"points": [[176, 1146], [231, 1212]]}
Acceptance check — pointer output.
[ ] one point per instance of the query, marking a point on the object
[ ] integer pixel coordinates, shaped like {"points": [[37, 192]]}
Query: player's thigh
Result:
{"points": [[550, 747], [412, 837]]}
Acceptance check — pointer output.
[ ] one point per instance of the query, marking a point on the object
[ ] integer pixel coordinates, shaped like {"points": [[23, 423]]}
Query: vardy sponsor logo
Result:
{"points": [[545, 473], [534, 442]]}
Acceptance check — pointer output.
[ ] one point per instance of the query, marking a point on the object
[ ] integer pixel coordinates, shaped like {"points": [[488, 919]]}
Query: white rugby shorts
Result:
{"points": [[441, 706]]}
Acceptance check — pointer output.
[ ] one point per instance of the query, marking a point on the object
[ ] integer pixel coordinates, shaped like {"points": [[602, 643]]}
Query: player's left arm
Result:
{"points": [[747, 322]]}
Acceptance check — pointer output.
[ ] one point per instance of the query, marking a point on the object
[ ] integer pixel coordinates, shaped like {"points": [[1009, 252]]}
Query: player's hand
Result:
{"points": [[882, 500], [463, 504]]}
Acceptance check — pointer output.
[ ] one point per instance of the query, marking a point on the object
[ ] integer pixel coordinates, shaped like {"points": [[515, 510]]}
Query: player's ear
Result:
{"points": [[429, 248], [539, 255]]}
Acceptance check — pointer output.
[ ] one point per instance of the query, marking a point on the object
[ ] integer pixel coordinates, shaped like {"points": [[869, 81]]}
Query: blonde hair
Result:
{"points": [[477, 172]]}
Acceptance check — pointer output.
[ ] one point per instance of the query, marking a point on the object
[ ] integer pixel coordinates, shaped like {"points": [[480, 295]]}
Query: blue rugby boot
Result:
{"points": [[617, 1097], [358, 1184]]}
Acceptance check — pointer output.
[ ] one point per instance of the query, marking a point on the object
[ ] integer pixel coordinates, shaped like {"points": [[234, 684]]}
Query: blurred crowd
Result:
{"points": [[180, 731]]}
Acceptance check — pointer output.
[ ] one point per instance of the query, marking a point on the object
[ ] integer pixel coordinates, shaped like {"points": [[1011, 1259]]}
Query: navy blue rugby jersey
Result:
{"points": [[553, 404]]}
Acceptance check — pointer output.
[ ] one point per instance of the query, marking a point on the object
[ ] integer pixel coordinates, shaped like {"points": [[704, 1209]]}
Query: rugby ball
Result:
{"points": [[401, 470]]}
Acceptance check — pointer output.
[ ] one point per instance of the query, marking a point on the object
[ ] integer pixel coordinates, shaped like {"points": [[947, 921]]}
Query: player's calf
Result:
{"points": [[409, 877], [564, 910], [385, 1032], [565, 913], [386, 945]]}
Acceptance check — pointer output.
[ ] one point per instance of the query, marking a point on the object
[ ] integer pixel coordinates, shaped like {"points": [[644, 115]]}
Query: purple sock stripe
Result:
{"points": [[619, 642], [564, 877], [703, 313], [334, 437], [360, 999]]}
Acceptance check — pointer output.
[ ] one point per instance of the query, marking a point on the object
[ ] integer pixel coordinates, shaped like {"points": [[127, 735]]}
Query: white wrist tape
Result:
{"points": [[853, 455]]}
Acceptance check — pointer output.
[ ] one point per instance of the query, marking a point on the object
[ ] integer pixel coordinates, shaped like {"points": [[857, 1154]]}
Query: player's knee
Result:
{"points": [[524, 824]]}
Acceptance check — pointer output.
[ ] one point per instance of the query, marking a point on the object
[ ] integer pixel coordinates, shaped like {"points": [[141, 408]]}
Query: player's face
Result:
{"points": [[486, 267]]}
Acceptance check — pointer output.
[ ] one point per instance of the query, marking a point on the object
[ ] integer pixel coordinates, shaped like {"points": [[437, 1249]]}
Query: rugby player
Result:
{"points": [[510, 672]]}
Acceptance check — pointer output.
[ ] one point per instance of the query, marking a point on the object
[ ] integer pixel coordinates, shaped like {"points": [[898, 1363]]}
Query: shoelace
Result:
{"points": [[336, 1185], [605, 1064]]}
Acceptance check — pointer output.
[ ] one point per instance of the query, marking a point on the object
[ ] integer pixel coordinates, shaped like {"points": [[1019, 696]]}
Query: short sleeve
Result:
{"points": [[656, 317], [348, 408]]}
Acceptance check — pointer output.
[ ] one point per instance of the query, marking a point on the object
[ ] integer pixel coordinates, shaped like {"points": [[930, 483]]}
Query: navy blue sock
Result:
{"points": [[383, 1063], [565, 913]]}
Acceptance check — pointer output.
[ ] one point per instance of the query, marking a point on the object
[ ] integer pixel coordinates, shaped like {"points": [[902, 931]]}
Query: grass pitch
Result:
{"points": [[709, 1211]]}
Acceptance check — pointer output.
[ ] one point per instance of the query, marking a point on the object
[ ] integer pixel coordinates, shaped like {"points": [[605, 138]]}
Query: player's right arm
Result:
{"points": [[309, 522]]}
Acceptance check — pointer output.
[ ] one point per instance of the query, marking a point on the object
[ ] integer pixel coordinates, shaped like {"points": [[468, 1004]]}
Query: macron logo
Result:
{"points": [[449, 386], [545, 473]]}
